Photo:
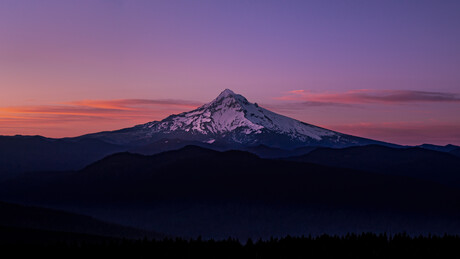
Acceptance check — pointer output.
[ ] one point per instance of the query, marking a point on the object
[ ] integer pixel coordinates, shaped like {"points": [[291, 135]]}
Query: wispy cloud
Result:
{"points": [[134, 104], [368, 96], [98, 108], [82, 116], [410, 133], [299, 105]]}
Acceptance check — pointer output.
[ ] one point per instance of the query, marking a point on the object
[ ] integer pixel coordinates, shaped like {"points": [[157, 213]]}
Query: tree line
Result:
{"points": [[366, 245]]}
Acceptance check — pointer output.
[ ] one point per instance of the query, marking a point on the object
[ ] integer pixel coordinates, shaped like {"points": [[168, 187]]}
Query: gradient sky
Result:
{"points": [[388, 70]]}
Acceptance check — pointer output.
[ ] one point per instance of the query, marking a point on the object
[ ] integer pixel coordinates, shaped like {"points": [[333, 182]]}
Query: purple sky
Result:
{"points": [[388, 70]]}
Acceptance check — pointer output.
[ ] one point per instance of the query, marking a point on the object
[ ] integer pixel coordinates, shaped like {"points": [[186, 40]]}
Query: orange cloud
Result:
{"points": [[84, 116], [103, 108], [134, 104]]}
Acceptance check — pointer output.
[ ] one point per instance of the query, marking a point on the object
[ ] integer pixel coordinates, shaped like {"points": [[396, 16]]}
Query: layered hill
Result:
{"points": [[195, 191], [417, 162]]}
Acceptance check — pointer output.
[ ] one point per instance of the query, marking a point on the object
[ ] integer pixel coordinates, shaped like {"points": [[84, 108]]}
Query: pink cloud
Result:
{"points": [[408, 133], [367, 96]]}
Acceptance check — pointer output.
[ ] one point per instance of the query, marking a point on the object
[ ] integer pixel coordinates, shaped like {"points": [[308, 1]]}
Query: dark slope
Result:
{"points": [[18, 236], [259, 150], [455, 152], [169, 144], [20, 154], [196, 191], [270, 152], [421, 163], [36, 218], [446, 148]]}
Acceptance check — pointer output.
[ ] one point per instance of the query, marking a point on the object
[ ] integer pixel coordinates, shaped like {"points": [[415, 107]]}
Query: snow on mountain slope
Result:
{"points": [[230, 112], [232, 119]]}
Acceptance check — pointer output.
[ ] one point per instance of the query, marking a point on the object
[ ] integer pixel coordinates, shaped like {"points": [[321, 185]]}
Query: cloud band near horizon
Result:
{"points": [[85, 116], [368, 96]]}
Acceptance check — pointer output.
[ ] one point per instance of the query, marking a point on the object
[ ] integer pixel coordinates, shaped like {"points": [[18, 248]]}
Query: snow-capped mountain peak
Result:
{"points": [[227, 99], [227, 93], [224, 114], [232, 119], [232, 114]]}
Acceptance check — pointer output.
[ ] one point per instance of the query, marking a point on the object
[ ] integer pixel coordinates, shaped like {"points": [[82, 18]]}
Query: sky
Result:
{"points": [[387, 70]]}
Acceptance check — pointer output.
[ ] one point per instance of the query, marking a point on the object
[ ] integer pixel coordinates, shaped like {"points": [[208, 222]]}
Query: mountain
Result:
{"points": [[416, 162], [233, 121], [228, 122], [195, 191]]}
